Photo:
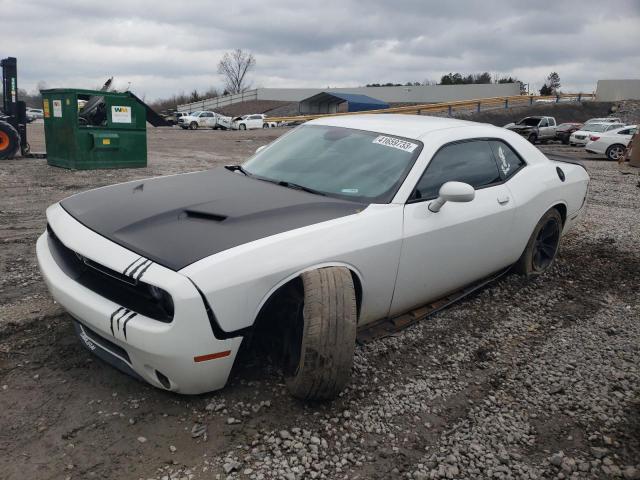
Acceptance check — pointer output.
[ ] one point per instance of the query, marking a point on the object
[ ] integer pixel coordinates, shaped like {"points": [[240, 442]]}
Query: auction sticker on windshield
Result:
{"points": [[395, 143]]}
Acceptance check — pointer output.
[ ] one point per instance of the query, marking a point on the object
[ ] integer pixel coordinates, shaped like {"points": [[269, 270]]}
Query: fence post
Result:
{"points": [[579, 97], [557, 98], [479, 107], [450, 110], [506, 103]]}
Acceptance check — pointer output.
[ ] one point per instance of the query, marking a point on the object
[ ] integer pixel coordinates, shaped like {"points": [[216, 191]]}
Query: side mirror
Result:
{"points": [[452, 192], [259, 149]]}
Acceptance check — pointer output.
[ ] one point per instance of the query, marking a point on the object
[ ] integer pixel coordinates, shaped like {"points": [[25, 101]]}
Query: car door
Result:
{"points": [[254, 121], [463, 242], [543, 128], [207, 119]]}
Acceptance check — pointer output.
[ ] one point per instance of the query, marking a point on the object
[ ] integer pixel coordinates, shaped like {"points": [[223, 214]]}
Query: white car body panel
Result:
{"points": [[255, 269], [402, 254], [609, 138]]}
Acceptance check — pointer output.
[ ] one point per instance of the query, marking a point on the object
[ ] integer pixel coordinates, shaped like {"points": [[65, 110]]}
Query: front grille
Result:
{"points": [[121, 289]]}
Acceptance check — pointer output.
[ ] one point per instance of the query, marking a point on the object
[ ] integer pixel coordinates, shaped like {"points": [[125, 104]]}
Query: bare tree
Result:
{"points": [[234, 67]]}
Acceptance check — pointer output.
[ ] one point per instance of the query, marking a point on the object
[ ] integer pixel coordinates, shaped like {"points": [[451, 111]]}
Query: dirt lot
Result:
{"points": [[534, 379]]}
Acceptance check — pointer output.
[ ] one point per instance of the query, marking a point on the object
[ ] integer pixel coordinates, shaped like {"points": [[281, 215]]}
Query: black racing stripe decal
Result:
{"points": [[133, 272], [120, 317], [144, 269], [112, 316], [124, 325], [131, 265]]}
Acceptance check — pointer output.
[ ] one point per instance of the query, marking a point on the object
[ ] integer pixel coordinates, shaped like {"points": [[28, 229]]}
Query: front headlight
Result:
{"points": [[162, 298]]}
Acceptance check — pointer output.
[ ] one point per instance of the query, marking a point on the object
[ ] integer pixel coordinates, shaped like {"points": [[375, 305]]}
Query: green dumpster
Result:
{"points": [[89, 129]]}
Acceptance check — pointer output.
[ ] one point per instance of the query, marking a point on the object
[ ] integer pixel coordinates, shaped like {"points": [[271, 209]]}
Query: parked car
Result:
{"points": [[535, 128], [248, 122], [611, 143], [564, 131], [34, 114], [341, 223], [581, 137]]}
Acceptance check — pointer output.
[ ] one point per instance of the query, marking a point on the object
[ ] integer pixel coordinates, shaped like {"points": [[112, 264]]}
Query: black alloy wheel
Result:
{"points": [[546, 244]]}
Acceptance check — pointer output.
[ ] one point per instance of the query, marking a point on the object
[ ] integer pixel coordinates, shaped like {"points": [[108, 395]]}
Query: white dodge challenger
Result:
{"points": [[339, 224]]}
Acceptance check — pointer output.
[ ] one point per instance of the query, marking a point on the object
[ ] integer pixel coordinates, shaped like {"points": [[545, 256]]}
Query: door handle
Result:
{"points": [[504, 199]]}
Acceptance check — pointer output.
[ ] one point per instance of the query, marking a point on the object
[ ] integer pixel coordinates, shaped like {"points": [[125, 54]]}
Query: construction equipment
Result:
{"points": [[13, 118]]}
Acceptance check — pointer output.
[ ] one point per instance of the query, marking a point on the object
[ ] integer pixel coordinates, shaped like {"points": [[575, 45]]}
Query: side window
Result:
{"points": [[625, 132], [508, 161], [470, 162], [543, 123], [552, 122]]}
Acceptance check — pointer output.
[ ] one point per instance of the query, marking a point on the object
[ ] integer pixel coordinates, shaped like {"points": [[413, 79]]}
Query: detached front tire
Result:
{"points": [[542, 247], [328, 335]]}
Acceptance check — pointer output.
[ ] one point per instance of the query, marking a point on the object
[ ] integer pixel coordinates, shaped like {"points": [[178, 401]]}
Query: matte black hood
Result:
{"points": [[180, 219]]}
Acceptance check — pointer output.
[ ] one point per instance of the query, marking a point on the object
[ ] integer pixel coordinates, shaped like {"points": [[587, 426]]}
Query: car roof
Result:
{"points": [[603, 120], [409, 126], [624, 127]]}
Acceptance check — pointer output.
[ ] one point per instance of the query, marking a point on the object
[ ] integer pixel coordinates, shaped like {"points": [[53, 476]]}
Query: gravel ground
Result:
{"points": [[524, 379]]}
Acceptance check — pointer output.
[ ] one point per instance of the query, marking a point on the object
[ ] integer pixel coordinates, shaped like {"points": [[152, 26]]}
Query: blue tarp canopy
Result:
{"points": [[329, 102]]}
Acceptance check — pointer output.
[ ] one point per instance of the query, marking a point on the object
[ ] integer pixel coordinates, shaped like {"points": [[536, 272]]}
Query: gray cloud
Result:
{"points": [[171, 47]]}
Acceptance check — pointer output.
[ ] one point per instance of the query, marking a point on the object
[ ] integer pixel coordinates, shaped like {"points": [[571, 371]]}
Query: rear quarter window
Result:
{"points": [[509, 162]]}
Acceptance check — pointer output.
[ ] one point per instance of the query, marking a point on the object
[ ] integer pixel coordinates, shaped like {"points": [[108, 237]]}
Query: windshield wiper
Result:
{"points": [[299, 187], [237, 168]]}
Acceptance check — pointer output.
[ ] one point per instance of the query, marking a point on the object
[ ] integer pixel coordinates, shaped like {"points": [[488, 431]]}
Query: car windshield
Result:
{"points": [[529, 121], [339, 162]]}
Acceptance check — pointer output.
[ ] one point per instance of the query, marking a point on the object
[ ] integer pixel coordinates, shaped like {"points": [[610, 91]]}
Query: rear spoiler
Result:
{"points": [[565, 159]]}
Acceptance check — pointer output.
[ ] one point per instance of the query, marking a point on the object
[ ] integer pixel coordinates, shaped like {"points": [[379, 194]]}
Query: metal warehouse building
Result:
{"points": [[398, 94], [334, 102]]}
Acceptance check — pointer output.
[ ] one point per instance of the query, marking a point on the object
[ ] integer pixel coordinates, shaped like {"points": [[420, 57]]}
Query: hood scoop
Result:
{"points": [[203, 215]]}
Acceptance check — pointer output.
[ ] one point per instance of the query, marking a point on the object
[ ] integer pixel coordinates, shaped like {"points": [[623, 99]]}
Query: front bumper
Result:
{"points": [[595, 147], [182, 356]]}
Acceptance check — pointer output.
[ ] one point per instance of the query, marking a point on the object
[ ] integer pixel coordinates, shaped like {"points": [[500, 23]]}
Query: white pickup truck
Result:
{"points": [[535, 128]]}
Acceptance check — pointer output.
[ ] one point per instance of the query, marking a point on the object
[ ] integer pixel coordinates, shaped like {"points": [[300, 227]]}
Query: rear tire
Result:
{"points": [[328, 338], [615, 152], [9, 141], [542, 247]]}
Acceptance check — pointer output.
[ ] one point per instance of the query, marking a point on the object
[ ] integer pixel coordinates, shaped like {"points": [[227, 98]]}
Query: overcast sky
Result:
{"points": [[165, 47]]}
